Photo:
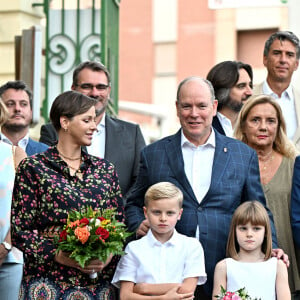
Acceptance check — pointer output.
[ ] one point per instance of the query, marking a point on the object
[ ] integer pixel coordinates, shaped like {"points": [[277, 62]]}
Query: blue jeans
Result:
{"points": [[10, 280]]}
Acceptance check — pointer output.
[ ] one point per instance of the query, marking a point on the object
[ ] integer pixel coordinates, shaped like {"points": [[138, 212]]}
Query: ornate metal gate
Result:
{"points": [[79, 30]]}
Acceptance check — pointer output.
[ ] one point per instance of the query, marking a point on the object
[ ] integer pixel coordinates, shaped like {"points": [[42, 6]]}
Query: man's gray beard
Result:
{"points": [[234, 105], [100, 111], [14, 127]]}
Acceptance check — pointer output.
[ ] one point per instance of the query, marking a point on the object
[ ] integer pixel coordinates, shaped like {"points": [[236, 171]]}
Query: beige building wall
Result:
{"points": [[15, 16], [161, 42]]}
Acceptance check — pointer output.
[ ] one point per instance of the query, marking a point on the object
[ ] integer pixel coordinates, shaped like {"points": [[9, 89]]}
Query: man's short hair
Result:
{"points": [[283, 36], [224, 77], [93, 66], [17, 85], [163, 190], [190, 78]]}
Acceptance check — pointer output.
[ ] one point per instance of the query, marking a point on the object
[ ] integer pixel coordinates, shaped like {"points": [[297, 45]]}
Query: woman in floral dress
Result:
{"points": [[48, 185]]}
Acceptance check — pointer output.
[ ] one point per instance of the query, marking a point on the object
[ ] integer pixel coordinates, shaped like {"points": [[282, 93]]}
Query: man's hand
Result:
{"points": [[143, 228], [281, 255]]}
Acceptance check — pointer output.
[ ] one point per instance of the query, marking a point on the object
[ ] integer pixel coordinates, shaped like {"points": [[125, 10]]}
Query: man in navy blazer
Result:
{"points": [[17, 97], [215, 173], [118, 141]]}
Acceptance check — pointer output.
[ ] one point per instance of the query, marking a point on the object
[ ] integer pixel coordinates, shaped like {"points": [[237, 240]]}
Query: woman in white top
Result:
{"points": [[250, 265]]}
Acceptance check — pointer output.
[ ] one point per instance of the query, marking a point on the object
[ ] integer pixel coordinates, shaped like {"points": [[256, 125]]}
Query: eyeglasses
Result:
{"points": [[89, 86]]}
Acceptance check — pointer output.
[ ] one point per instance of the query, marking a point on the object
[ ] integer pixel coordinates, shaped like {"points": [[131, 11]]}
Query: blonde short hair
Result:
{"points": [[255, 213], [3, 113], [281, 144], [163, 190]]}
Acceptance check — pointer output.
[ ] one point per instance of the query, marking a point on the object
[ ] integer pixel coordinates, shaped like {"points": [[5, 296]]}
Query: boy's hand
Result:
{"points": [[172, 294]]}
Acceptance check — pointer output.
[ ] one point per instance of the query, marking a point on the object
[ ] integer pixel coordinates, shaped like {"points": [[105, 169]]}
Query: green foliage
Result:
{"points": [[92, 234]]}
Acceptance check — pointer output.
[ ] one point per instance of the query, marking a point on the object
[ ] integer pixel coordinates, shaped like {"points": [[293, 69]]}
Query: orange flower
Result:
{"points": [[73, 224], [82, 234]]}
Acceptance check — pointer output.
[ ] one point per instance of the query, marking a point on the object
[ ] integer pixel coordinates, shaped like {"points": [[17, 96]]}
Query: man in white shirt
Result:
{"points": [[281, 58], [215, 174], [232, 82], [17, 97]]}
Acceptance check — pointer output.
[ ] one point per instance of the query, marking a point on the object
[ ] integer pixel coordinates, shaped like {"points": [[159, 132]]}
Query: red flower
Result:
{"points": [[84, 221], [63, 236], [102, 232], [101, 218]]}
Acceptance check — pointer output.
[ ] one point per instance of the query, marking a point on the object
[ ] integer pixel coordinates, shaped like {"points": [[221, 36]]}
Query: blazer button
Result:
{"points": [[200, 208]]}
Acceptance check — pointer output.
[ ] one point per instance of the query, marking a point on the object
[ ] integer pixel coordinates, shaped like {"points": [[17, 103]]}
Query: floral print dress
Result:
{"points": [[44, 193]]}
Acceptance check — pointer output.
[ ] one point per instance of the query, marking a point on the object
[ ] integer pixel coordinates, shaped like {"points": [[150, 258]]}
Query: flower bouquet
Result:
{"points": [[240, 294], [92, 234]]}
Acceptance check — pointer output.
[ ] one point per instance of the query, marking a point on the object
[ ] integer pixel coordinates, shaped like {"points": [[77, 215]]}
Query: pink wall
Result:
{"points": [[195, 38]]}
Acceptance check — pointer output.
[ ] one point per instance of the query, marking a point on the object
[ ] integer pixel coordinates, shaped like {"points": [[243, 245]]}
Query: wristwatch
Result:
{"points": [[7, 246]]}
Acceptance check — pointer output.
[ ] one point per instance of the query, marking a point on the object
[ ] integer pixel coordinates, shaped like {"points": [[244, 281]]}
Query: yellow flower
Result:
{"points": [[104, 222]]}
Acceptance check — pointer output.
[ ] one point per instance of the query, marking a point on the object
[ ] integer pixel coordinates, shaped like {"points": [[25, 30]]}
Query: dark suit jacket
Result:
{"points": [[34, 147], [235, 179], [295, 202], [217, 125], [123, 144]]}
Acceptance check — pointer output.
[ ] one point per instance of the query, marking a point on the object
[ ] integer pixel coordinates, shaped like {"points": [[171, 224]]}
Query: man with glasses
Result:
{"points": [[117, 141], [281, 58]]}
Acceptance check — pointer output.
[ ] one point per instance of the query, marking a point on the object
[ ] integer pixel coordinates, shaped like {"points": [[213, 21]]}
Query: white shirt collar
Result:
{"points": [[100, 126], [211, 141], [154, 242], [226, 124], [22, 142], [268, 91]]}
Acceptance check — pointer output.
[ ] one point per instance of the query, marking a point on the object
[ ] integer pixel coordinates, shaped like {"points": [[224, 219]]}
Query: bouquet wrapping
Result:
{"points": [[240, 294], [92, 234]]}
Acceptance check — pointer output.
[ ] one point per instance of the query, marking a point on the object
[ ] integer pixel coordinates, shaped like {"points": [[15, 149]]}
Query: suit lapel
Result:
{"points": [[220, 163], [217, 125], [113, 138], [174, 154]]}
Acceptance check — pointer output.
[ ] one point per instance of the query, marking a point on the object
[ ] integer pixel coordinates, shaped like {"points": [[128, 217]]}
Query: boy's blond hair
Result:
{"points": [[163, 190]]}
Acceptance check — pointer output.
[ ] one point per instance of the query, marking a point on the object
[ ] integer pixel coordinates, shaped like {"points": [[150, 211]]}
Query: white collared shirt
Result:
{"points": [[226, 124], [148, 260], [198, 162], [97, 148], [287, 104], [22, 142]]}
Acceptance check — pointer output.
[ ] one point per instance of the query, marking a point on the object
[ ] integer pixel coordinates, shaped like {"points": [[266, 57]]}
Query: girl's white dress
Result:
{"points": [[259, 278]]}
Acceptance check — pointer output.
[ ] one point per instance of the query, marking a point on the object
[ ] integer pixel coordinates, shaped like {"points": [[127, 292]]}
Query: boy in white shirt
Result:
{"points": [[163, 264]]}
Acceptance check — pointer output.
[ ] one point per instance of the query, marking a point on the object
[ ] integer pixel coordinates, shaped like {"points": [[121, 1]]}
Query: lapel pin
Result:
{"points": [[225, 149]]}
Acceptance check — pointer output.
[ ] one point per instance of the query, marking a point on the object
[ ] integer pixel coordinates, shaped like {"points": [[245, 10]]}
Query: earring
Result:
{"points": [[66, 129]]}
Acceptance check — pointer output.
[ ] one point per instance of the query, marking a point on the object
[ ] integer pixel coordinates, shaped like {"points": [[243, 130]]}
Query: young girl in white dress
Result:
{"points": [[249, 264]]}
